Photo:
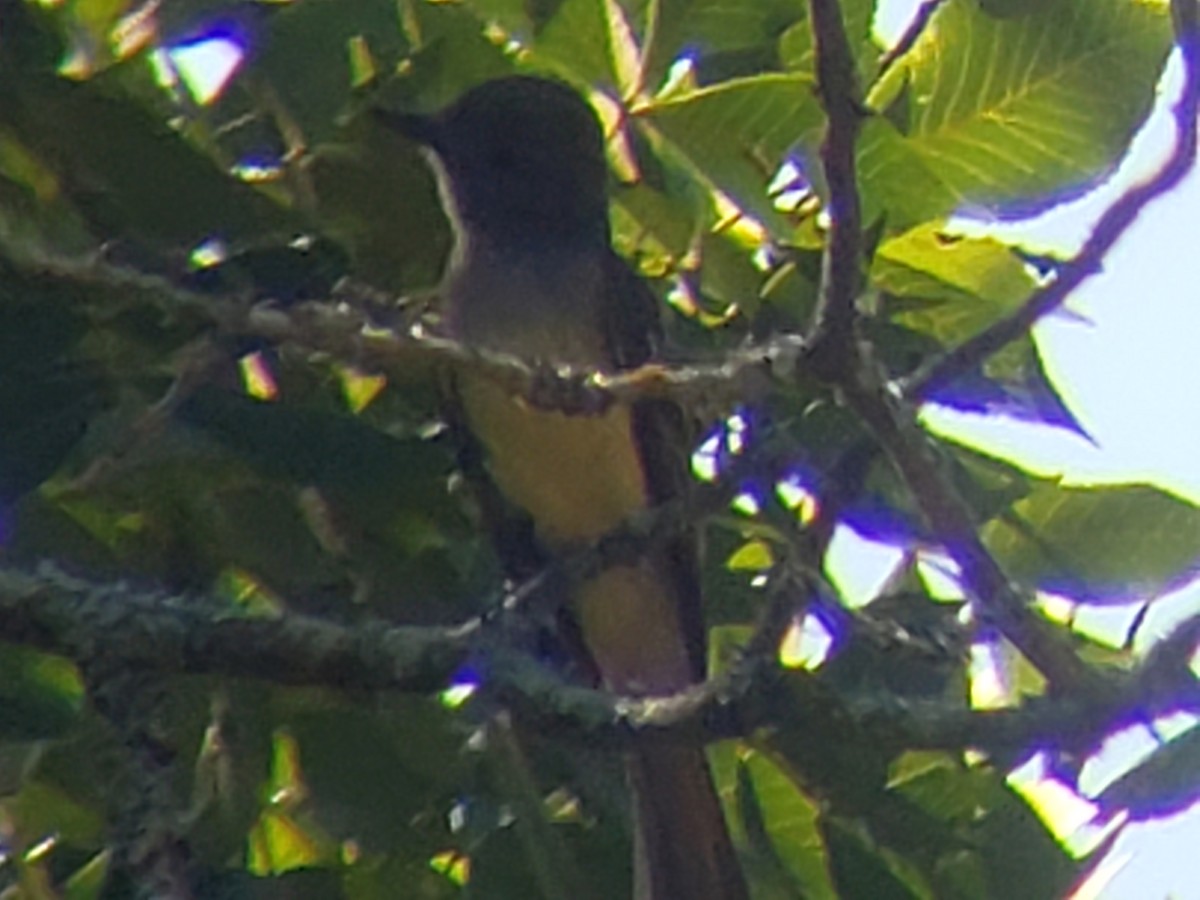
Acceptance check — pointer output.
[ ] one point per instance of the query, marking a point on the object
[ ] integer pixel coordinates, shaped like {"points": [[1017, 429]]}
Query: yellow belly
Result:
{"points": [[579, 478]]}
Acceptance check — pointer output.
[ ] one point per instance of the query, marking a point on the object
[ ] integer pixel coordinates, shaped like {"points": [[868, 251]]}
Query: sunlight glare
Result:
{"points": [[1062, 810], [205, 66], [859, 568], [806, 645], [989, 674]]}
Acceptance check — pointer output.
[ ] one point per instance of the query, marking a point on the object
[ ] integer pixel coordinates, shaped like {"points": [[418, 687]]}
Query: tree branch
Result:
{"points": [[151, 858], [999, 601], [174, 634], [837, 85], [361, 328], [911, 34], [163, 635]]}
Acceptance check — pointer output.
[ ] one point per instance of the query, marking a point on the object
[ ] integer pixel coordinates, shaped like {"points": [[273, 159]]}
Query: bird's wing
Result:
{"points": [[634, 335]]}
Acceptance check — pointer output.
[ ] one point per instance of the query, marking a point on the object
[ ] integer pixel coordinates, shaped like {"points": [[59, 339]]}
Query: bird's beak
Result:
{"points": [[422, 129]]}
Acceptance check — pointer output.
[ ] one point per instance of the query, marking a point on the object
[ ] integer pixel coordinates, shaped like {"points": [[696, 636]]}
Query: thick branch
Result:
{"points": [[837, 83], [195, 634], [150, 856], [154, 634]]}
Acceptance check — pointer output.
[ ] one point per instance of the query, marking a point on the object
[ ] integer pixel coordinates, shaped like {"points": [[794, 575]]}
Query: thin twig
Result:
{"points": [[362, 328], [911, 34]]}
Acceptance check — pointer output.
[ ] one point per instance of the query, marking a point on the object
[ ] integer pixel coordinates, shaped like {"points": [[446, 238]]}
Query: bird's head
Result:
{"points": [[518, 157]]}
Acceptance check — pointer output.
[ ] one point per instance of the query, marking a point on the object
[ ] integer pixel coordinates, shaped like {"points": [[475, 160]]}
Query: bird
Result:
{"points": [[521, 170]]}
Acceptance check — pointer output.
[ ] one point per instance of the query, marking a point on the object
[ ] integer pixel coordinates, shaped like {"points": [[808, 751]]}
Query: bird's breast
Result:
{"points": [[578, 476], [542, 304]]}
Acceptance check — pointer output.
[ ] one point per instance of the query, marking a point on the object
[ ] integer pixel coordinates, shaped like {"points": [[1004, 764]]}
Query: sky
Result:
{"points": [[1126, 360]]}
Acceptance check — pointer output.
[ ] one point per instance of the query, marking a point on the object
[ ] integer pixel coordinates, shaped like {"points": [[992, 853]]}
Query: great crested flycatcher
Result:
{"points": [[522, 172]]}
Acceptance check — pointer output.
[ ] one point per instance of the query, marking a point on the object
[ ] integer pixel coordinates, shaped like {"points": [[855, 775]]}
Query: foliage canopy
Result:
{"points": [[217, 419]]}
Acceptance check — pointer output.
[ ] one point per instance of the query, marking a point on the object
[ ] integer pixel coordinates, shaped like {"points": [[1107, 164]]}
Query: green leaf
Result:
{"points": [[400, 784], [1014, 115], [377, 197], [736, 133], [40, 695], [716, 28], [1031, 393], [451, 53], [727, 24], [728, 277], [87, 882], [134, 177], [780, 823], [667, 208], [798, 52], [988, 484], [992, 823], [970, 282], [1012, 839], [754, 555], [307, 60], [1098, 542], [862, 871], [897, 179], [261, 529], [577, 37], [945, 788], [337, 452], [42, 808]]}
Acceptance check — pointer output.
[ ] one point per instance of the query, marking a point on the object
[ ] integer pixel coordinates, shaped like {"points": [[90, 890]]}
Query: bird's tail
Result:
{"points": [[682, 848]]}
